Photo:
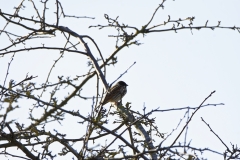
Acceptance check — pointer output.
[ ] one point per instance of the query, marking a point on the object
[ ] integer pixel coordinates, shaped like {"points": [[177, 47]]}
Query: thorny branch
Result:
{"points": [[34, 140]]}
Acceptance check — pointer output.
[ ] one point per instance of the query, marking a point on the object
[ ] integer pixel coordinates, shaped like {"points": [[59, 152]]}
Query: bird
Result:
{"points": [[116, 93]]}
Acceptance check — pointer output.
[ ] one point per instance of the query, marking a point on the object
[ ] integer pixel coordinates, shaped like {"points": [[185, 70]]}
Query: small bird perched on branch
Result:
{"points": [[116, 92]]}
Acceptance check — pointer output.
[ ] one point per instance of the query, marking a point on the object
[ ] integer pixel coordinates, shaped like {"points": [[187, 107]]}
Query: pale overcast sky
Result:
{"points": [[172, 70]]}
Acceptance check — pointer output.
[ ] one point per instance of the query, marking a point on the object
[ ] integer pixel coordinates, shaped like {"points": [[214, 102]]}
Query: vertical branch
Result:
{"points": [[9, 64], [185, 138], [44, 15], [89, 53], [54, 64], [57, 13], [130, 118], [131, 138], [96, 66], [37, 11], [97, 94]]}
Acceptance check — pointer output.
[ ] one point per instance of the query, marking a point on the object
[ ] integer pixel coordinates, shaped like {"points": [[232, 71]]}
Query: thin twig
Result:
{"points": [[216, 135], [188, 122]]}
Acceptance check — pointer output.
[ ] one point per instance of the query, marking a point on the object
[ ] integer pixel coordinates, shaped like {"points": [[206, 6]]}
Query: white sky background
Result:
{"points": [[172, 70]]}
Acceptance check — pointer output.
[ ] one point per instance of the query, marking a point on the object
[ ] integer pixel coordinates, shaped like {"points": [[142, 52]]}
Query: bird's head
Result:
{"points": [[122, 83]]}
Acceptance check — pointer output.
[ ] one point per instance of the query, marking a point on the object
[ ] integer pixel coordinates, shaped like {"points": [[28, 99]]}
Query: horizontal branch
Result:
{"points": [[196, 28], [50, 48], [192, 108]]}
